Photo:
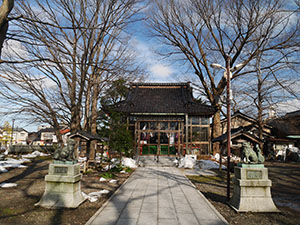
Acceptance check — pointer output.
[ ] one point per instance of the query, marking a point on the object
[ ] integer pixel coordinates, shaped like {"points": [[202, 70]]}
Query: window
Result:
{"points": [[204, 121], [164, 138], [164, 126], [204, 134], [173, 125], [153, 125], [153, 138]]}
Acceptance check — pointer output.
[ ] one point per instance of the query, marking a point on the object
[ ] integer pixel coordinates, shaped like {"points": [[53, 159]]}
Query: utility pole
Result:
{"points": [[228, 77], [12, 131]]}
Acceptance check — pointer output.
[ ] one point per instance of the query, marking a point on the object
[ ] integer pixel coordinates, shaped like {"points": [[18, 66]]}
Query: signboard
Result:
{"points": [[254, 174], [60, 170]]}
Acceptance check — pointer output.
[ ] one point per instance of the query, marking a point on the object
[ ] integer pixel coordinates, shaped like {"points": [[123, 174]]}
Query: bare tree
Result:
{"points": [[5, 9], [263, 91], [201, 32], [73, 48]]}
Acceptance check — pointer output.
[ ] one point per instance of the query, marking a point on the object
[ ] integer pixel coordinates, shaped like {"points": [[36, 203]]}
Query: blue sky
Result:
{"points": [[158, 69]]}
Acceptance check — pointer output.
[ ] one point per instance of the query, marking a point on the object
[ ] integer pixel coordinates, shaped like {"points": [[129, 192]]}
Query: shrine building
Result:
{"points": [[165, 119]]}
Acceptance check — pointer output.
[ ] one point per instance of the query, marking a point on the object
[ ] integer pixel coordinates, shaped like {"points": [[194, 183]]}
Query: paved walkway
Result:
{"points": [[157, 196]]}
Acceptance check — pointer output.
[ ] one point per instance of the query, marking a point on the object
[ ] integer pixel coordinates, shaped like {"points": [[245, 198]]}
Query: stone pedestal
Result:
{"points": [[62, 187], [252, 189]]}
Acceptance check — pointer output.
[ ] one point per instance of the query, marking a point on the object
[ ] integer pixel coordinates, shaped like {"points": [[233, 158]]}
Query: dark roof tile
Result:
{"points": [[163, 98]]}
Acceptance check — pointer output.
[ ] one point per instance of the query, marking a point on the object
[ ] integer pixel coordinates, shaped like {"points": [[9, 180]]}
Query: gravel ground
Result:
{"points": [[17, 203], [285, 190]]}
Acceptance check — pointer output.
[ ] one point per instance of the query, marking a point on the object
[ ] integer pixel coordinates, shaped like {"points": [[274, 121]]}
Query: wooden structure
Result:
{"points": [[165, 119], [84, 138], [244, 129], [285, 131], [241, 120]]}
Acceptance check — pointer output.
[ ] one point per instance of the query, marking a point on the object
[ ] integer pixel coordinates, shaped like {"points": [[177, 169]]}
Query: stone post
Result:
{"points": [[252, 189]]}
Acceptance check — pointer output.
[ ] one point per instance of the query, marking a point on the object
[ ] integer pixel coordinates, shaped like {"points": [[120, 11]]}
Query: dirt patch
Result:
{"points": [[17, 204], [285, 190]]}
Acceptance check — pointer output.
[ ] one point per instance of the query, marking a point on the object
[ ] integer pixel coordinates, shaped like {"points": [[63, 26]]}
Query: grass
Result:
{"points": [[7, 212], [128, 170], [108, 175], [205, 179]]}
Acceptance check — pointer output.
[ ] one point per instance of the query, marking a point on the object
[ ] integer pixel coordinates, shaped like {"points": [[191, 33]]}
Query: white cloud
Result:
{"points": [[12, 48], [48, 83], [288, 106], [160, 70]]}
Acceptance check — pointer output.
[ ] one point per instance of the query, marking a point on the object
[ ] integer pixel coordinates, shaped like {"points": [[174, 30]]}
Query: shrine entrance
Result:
{"points": [[160, 137]]}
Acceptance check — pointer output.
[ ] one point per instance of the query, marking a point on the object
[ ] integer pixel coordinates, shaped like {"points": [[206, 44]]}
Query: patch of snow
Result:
{"points": [[234, 158], [105, 154], [114, 160], [123, 171], [90, 198], [34, 154], [95, 193], [13, 163], [94, 196], [102, 179], [294, 149], [8, 185], [113, 181], [82, 159], [216, 157], [176, 162], [188, 162], [208, 164], [107, 167], [3, 170], [104, 192], [128, 162]]}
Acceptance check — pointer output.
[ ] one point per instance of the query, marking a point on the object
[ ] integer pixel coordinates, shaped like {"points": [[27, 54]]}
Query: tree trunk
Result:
{"points": [[86, 123], [260, 107], [5, 9], [94, 114], [216, 130]]}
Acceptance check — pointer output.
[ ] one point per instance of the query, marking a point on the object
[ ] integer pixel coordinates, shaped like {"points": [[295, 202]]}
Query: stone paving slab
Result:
{"points": [[157, 196]]}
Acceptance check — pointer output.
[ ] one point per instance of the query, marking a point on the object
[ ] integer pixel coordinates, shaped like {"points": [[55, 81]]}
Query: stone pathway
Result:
{"points": [[157, 196]]}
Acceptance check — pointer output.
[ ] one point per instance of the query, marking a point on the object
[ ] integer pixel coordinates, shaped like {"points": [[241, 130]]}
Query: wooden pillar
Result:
{"points": [[186, 132], [179, 138], [137, 132]]}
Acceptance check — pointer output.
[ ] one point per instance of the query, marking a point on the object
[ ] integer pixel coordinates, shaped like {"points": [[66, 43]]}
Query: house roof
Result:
{"points": [[19, 129], [46, 130], [235, 133], [87, 136], [293, 114], [286, 126], [163, 98], [241, 115], [245, 117]]}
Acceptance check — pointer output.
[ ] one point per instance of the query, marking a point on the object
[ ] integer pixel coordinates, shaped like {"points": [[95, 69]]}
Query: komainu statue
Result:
{"points": [[260, 157], [65, 153], [248, 154]]}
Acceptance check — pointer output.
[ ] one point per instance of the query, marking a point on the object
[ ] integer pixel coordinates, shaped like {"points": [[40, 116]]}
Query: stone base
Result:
{"points": [[62, 187], [252, 190]]}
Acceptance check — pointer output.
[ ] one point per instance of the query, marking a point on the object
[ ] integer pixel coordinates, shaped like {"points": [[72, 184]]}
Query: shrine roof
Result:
{"points": [[163, 98]]}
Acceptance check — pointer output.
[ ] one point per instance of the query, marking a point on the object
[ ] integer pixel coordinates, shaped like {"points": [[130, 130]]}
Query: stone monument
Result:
{"points": [[63, 180], [252, 187]]}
